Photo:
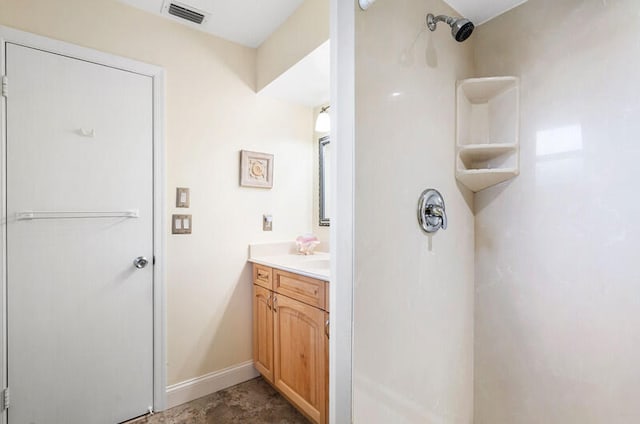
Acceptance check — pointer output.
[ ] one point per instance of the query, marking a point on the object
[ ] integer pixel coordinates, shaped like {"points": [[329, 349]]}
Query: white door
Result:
{"points": [[79, 318]]}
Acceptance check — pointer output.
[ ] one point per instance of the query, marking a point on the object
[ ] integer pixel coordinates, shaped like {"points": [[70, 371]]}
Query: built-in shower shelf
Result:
{"points": [[487, 146], [482, 90], [479, 179], [485, 152]]}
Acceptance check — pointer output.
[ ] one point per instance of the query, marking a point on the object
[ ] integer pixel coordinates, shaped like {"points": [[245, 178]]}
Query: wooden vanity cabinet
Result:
{"points": [[295, 327]]}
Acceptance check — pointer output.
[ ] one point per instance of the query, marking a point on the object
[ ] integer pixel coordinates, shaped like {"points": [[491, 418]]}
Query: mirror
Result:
{"points": [[325, 184]]}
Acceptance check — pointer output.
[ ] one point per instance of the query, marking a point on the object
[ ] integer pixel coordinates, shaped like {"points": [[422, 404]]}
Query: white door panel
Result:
{"points": [[80, 315]]}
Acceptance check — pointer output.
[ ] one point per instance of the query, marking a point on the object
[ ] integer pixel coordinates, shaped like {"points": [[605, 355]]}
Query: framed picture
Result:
{"points": [[256, 169]]}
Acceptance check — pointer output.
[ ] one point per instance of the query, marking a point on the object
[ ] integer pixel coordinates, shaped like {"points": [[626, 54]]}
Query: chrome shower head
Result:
{"points": [[461, 28]]}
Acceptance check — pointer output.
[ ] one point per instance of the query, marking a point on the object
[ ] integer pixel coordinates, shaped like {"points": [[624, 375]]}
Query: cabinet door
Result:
{"points": [[326, 366], [299, 352], [263, 332]]}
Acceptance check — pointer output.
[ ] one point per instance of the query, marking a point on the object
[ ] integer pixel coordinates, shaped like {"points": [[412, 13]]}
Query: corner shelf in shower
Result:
{"points": [[487, 146]]}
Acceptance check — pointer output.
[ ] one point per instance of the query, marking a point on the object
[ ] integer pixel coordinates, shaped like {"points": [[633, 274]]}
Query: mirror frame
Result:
{"points": [[324, 220]]}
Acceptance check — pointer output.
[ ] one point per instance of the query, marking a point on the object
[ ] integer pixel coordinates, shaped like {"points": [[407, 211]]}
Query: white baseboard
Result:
{"points": [[195, 388]]}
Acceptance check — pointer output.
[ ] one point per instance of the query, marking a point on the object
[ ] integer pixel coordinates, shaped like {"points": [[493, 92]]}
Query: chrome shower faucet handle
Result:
{"points": [[431, 211]]}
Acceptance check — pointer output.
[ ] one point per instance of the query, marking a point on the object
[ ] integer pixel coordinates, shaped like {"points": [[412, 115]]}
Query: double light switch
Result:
{"points": [[181, 224]]}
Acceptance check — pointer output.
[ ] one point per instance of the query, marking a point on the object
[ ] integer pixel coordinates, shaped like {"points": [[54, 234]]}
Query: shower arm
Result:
{"points": [[433, 20]]}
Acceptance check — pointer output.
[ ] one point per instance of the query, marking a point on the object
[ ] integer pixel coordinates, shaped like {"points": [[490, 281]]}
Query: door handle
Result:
{"points": [[140, 262]]}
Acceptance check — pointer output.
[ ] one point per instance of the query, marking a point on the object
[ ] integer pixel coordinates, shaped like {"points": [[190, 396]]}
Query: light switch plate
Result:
{"points": [[267, 222], [182, 197], [181, 224]]}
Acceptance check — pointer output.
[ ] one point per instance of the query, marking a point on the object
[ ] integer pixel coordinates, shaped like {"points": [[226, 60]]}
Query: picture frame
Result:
{"points": [[256, 169]]}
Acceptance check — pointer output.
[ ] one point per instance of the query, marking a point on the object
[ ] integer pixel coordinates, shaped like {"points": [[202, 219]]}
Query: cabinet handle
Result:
{"points": [[326, 328], [269, 302], [275, 303]]}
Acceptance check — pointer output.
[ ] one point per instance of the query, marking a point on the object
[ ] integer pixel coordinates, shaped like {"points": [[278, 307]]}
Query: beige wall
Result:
{"points": [[212, 112], [557, 293], [413, 299], [305, 30]]}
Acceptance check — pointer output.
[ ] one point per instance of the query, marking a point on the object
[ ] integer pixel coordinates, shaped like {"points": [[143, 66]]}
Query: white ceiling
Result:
{"points": [[250, 22], [480, 11], [247, 22]]}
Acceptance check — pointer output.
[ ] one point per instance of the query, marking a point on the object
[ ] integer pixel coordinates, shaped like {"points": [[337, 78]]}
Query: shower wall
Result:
{"points": [[413, 299], [557, 323]]}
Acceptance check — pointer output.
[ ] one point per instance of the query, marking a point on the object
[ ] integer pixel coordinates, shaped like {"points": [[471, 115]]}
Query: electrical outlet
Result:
{"points": [[267, 222]]}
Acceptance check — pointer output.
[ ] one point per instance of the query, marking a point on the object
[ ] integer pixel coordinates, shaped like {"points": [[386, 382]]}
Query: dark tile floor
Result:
{"points": [[252, 402]]}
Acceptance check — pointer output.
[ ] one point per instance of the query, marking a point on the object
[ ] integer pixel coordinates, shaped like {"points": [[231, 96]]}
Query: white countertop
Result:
{"points": [[283, 256]]}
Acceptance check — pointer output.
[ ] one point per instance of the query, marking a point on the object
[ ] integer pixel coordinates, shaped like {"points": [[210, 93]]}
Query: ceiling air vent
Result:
{"points": [[185, 12]]}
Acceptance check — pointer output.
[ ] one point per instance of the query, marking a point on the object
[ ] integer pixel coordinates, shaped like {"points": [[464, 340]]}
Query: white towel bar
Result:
{"points": [[28, 215]]}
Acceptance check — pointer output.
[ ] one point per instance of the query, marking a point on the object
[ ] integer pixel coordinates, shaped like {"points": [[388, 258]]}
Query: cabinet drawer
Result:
{"points": [[262, 276], [305, 289]]}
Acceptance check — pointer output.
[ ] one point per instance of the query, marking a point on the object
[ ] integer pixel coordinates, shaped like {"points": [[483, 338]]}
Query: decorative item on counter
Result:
{"points": [[306, 244]]}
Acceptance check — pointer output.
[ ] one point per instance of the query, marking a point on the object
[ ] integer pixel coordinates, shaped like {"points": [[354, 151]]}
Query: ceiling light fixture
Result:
{"points": [[323, 122], [364, 4]]}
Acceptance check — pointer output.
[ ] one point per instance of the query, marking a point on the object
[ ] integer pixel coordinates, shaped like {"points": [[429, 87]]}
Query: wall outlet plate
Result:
{"points": [[181, 224]]}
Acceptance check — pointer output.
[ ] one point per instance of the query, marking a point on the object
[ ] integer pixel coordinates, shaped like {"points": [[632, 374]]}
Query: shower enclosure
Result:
{"points": [[525, 309]]}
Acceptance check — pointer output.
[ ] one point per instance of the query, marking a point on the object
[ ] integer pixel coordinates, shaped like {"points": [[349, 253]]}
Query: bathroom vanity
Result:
{"points": [[291, 328]]}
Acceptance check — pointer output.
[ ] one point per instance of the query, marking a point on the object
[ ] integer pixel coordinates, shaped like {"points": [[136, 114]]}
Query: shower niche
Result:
{"points": [[487, 146]]}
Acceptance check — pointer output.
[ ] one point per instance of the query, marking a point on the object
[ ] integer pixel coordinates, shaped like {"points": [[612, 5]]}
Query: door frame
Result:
{"points": [[343, 159], [10, 35]]}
